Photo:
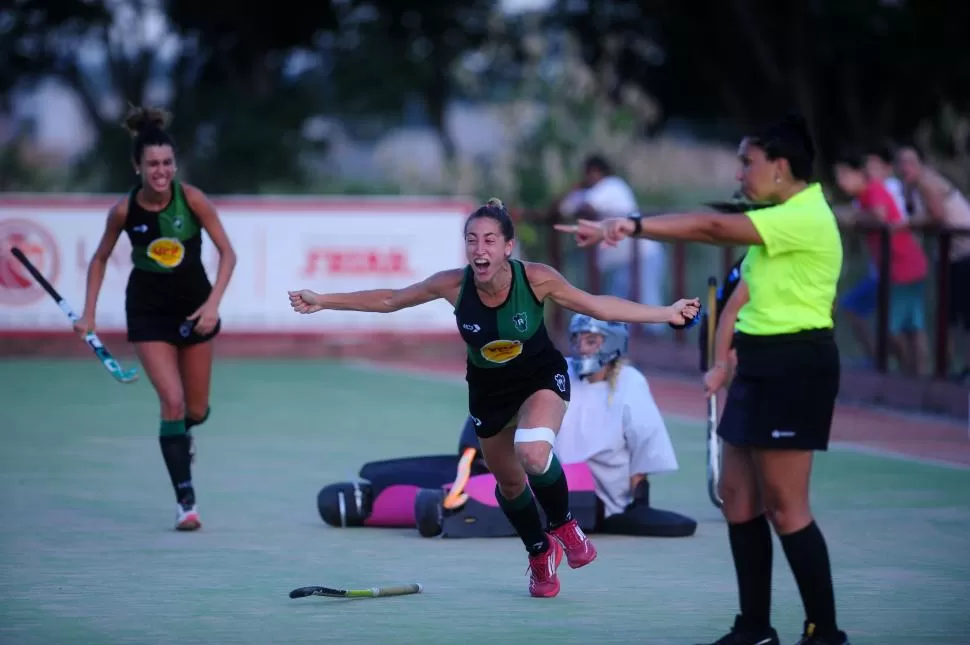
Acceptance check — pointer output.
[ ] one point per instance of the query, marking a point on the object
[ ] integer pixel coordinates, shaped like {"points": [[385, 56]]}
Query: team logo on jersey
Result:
{"points": [[177, 223], [167, 252], [561, 382], [521, 321], [501, 351]]}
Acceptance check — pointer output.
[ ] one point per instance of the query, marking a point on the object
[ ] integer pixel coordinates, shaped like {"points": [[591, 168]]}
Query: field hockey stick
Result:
{"points": [[713, 441], [374, 592], [457, 497], [110, 364]]}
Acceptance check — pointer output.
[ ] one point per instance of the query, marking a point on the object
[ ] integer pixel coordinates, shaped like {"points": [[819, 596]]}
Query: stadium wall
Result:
{"points": [[332, 244]]}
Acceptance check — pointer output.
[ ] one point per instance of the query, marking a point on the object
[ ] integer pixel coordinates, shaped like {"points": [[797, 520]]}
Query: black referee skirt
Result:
{"points": [[783, 393]]}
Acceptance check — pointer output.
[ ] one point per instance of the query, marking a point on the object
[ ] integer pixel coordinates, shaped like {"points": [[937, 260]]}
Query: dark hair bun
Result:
{"points": [[495, 202], [796, 127], [140, 119]]}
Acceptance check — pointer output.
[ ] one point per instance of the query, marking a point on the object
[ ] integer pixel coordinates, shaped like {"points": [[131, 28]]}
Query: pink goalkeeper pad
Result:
{"points": [[394, 507], [481, 488]]}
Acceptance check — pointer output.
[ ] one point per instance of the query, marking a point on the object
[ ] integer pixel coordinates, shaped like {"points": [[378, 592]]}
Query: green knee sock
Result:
{"points": [[552, 492], [524, 517], [174, 442]]}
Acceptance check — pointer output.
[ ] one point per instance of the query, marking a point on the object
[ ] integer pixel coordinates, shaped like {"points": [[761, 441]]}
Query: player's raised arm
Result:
{"points": [[549, 283], [442, 285]]}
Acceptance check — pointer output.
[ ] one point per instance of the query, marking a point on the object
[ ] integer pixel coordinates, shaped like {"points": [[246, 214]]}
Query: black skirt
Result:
{"points": [[158, 304], [495, 396], [783, 394]]}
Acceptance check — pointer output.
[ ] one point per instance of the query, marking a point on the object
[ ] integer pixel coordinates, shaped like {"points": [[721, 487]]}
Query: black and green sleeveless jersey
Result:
{"points": [[165, 241], [508, 339]]}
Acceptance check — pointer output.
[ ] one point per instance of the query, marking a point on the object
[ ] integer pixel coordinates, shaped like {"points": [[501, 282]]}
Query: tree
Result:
{"points": [[38, 37], [856, 70], [391, 50], [197, 58], [244, 114]]}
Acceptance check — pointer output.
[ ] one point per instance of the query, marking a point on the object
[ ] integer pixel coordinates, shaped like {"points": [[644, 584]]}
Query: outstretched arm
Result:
{"points": [[548, 283], [710, 228], [444, 284]]}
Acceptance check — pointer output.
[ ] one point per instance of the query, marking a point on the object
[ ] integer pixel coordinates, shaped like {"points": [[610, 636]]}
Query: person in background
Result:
{"points": [[859, 302], [601, 195], [613, 423], [937, 200], [879, 161], [908, 266]]}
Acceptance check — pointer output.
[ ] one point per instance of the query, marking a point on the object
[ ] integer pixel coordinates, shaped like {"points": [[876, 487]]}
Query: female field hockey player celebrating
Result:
{"points": [[517, 380], [171, 308], [781, 400]]}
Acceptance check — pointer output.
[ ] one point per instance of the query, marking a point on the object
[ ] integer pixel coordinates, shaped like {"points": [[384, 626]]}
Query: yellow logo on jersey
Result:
{"points": [[501, 351], [167, 252]]}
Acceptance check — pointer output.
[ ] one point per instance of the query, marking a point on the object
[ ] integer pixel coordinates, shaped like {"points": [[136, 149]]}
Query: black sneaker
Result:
{"points": [[740, 634], [811, 636]]}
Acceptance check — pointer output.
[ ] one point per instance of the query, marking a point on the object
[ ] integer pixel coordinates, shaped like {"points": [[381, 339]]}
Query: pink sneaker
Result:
{"points": [[543, 579], [579, 550], [187, 518]]}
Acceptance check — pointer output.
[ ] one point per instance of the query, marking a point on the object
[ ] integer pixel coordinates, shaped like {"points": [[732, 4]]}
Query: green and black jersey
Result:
{"points": [[508, 341], [165, 241], [168, 279]]}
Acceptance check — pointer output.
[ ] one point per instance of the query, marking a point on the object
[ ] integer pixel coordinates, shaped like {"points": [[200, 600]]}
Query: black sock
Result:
{"points": [[752, 550], [174, 443], [552, 493], [524, 516], [808, 557]]}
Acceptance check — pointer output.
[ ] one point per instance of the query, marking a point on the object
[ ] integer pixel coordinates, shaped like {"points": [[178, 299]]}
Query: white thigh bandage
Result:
{"points": [[529, 435]]}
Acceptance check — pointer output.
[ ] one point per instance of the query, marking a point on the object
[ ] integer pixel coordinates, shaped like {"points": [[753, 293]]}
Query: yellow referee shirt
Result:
{"points": [[792, 277]]}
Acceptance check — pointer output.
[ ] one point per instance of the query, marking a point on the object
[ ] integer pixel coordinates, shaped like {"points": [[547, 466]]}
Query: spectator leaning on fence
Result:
{"points": [[937, 200], [908, 266], [879, 167], [858, 304]]}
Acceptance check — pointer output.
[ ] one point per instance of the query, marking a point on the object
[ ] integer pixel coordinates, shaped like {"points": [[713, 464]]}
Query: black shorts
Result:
{"points": [[959, 293], [494, 398], [783, 394], [157, 305]]}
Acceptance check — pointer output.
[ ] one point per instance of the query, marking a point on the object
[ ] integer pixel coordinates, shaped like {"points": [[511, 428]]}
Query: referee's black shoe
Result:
{"points": [[742, 634], [811, 636]]}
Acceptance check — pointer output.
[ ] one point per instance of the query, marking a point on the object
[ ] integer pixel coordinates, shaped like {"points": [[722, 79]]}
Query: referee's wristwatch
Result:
{"points": [[635, 217]]}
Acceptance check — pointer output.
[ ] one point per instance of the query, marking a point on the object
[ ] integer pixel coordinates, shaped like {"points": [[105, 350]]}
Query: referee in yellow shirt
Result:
{"points": [[782, 396]]}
